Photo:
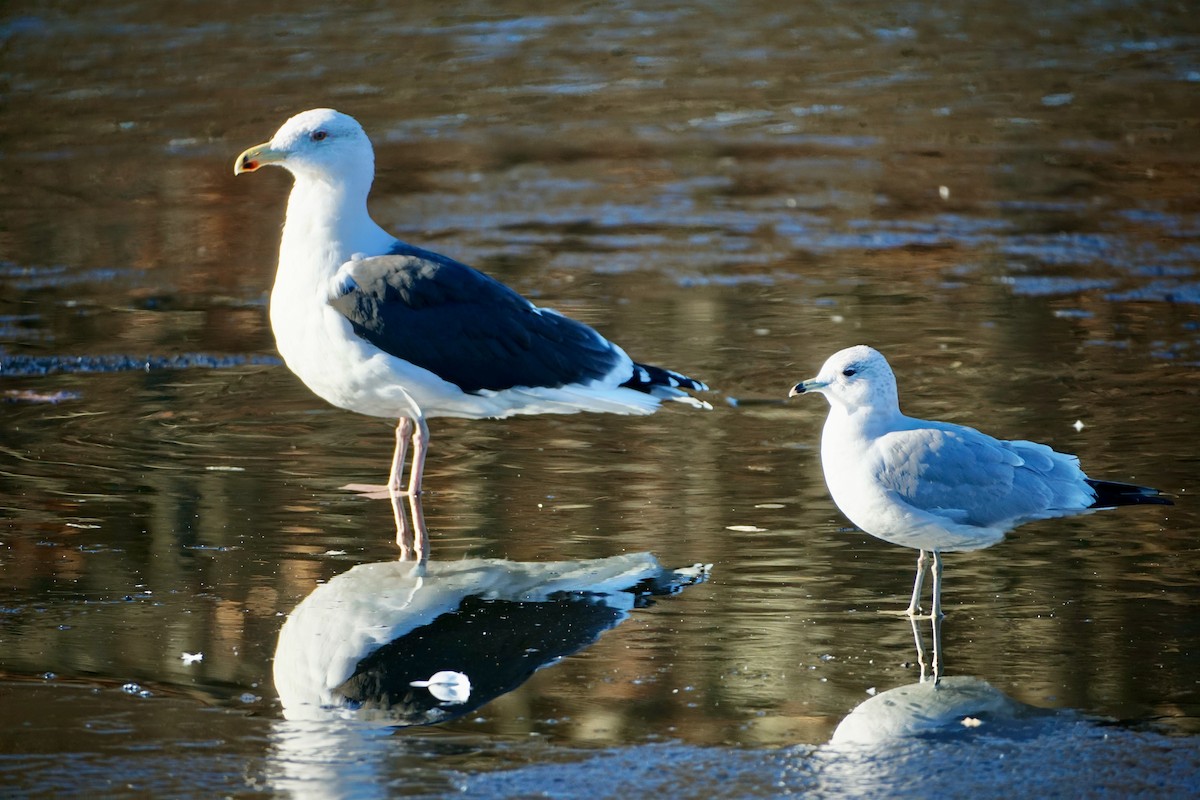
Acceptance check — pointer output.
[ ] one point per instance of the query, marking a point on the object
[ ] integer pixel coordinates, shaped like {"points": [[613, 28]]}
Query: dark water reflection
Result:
{"points": [[1000, 198]]}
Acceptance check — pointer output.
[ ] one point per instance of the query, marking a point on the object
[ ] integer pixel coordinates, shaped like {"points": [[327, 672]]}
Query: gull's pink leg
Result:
{"points": [[420, 440], [404, 429], [413, 540]]}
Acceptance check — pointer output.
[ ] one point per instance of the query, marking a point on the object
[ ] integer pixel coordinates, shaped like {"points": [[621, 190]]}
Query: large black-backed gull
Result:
{"points": [[381, 327]]}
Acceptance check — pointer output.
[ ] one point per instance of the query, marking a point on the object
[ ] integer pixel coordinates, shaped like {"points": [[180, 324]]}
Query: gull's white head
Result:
{"points": [[854, 379], [321, 144]]}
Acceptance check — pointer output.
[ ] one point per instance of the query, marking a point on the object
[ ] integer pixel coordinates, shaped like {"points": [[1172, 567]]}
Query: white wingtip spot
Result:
{"points": [[452, 688]]}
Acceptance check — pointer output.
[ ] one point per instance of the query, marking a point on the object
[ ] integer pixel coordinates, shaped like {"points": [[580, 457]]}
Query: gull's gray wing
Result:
{"points": [[973, 479]]}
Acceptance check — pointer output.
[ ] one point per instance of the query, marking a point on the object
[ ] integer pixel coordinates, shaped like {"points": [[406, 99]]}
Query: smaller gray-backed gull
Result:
{"points": [[937, 486]]}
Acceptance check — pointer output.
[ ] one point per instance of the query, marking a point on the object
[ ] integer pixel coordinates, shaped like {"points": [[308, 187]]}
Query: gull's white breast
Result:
{"points": [[851, 459]]}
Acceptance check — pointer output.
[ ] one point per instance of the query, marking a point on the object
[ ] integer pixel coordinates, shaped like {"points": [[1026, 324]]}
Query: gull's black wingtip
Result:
{"points": [[1110, 494]]}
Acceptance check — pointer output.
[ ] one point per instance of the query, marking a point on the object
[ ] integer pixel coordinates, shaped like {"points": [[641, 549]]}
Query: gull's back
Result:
{"points": [[964, 479]]}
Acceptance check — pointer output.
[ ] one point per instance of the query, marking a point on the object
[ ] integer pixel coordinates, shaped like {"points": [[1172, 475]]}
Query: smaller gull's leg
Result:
{"points": [[937, 584], [937, 642], [420, 440], [914, 605], [404, 429], [920, 645]]}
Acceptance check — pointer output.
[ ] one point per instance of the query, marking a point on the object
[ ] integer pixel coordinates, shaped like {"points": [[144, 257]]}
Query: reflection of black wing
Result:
{"points": [[466, 327], [498, 644], [355, 645]]}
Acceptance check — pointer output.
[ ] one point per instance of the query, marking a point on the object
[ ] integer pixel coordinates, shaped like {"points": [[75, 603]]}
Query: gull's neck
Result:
{"points": [[327, 222], [865, 422]]}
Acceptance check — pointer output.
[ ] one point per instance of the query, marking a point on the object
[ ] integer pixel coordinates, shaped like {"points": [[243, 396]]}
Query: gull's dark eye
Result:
{"points": [[319, 136], [849, 372]]}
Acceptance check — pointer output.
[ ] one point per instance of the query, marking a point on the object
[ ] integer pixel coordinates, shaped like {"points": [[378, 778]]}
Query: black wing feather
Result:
{"points": [[1110, 494], [465, 327]]}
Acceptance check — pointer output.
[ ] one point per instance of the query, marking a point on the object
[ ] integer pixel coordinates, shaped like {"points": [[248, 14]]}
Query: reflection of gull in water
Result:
{"points": [[956, 704], [936, 486], [934, 705], [359, 646], [965, 738]]}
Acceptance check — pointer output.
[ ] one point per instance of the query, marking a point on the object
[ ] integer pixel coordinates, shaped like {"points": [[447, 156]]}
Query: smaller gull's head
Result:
{"points": [[855, 378], [321, 144]]}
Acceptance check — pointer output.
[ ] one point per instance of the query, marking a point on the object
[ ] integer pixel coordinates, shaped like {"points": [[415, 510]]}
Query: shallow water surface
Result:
{"points": [[1001, 199]]}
